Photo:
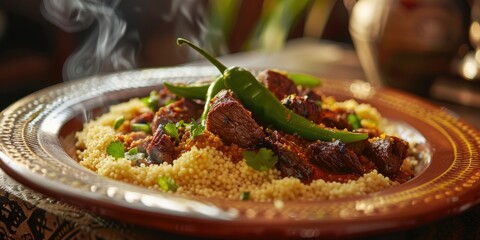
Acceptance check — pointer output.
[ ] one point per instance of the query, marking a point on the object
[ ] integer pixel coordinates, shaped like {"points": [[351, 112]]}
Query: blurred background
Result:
{"points": [[425, 47]]}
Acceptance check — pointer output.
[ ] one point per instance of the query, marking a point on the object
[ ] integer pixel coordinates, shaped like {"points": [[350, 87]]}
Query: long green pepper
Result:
{"points": [[188, 92], [201, 92], [213, 89], [264, 105]]}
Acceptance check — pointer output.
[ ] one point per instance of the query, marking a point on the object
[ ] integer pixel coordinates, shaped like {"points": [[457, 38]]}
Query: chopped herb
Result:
{"points": [[171, 130], [354, 120], [144, 127], [133, 154], [319, 104], [244, 196], [152, 100], [116, 149], [180, 124], [196, 129], [167, 184], [263, 160], [169, 101], [118, 122], [133, 151]]}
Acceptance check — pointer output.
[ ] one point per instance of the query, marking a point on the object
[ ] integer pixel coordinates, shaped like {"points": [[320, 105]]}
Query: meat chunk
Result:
{"points": [[142, 144], [133, 139], [161, 148], [292, 158], [182, 109], [234, 124], [303, 107], [145, 117], [337, 119], [312, 94], [335, 157], [165, 96], [279, 84], [387, 153]]}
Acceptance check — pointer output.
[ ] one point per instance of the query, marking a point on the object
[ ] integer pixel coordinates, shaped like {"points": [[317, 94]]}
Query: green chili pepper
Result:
{"points": [[302, 79], [263, 104], [214, 88], [201, 92], [188, 91]]}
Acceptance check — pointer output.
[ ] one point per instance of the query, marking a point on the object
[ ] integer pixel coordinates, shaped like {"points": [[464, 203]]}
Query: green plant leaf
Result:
{"points": [[116, 149], [172, 130], [196, 129], [263, 160]]}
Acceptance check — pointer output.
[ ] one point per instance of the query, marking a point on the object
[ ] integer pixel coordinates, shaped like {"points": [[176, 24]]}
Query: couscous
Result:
{"points": [[264, 138], [213, 165]]}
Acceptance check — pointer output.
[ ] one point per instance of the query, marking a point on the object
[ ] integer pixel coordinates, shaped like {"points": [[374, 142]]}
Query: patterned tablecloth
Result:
{"points": [[26, 214]]}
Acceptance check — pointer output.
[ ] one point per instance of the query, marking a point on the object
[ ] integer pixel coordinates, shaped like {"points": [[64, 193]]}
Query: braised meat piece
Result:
{"points": [[387, 153], [134, 139], [311, 94], [145, 117], [279, 84], [165, 96], [335, 157], [292, 158], [303, 107], [161, 148], [335, 119], [234, 124], [182, 109], [357, 147]]}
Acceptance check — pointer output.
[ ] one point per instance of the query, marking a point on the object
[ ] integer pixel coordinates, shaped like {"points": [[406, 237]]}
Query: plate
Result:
{"points": [[37, 149]]}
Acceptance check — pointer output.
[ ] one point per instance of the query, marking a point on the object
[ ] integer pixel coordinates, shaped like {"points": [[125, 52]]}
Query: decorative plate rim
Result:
{"points": [[31, 152]]}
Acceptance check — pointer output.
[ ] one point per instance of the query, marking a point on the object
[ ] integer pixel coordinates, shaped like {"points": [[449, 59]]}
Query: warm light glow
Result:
{"points": [[469, 67], [365, 19], [361, 89], [475, 32]]}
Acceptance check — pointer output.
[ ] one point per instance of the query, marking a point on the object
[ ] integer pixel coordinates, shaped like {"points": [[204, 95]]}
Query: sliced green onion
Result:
{"points": [[167, 184], [244, 196], [354, 120], [133, 151], [118, 122], [133, 154], [143, 127], [152, 100]]}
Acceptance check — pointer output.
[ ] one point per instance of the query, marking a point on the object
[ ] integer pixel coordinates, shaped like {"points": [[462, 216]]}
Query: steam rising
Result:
{"points": [[112, 44], [108, 48]]}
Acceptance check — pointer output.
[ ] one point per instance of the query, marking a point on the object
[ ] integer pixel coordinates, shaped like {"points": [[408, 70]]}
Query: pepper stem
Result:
{"points": [[214, 61]]}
